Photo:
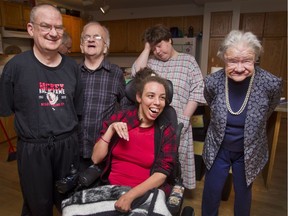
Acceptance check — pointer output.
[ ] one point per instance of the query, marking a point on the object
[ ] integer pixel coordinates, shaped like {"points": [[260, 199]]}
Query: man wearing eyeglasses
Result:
{"points": [[43, 89], [103, 86]]}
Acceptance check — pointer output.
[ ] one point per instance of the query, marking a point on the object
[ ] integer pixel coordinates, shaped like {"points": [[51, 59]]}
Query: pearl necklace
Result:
{"points": [[245, 100]]}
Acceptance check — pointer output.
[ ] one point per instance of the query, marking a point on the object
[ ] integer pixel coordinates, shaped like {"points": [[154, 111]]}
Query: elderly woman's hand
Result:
{"points": [[121, 129]]}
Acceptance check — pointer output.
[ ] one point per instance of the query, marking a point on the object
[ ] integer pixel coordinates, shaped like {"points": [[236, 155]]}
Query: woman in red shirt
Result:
{"points": [[129, 141]]}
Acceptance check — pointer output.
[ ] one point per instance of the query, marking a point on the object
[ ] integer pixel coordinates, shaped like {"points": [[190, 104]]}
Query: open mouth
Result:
{"points": [[154, 110], [91, 46]]}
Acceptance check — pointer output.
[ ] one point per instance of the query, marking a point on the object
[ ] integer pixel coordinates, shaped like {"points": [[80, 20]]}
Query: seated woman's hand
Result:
{"points": [[123, 204], [121, 129]]}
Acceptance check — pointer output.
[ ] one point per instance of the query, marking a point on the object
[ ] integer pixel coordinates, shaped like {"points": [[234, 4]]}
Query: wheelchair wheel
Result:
{"points": [[188, 211]]}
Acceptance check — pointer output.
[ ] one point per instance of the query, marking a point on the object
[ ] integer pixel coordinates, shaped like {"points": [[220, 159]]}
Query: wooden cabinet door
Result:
{"points": [[67, 23], [136, 29], [159, 20], [274, 58], [73, 26], [275, 24], [177, 22], [12, 15], [143, 25], [26, 15], [213, 59], [76, 32], [196, 22], [118, 35], [221, 23], [133, 36], [253, 22]]}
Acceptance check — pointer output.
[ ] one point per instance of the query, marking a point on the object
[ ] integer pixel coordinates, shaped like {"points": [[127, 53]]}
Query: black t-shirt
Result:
{"points": [[45, 100]]}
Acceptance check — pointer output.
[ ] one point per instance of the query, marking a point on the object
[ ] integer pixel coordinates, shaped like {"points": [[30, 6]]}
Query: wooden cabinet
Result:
{"points": [[221, 23], [220, 26], [196, 22], [66, 19], [118, 35], [176, 22], [253, 22], [143, 25], [274, 58], [271, 29], [275, 24], [268, 24], [133, 31], [73, 26], [26, 15], [15, 15], [126, 35], [76, 33], [213, 60], [159, 20]]}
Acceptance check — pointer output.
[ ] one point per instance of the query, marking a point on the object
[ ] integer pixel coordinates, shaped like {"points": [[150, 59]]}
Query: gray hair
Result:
{"points": [[107, 39], [236, 37], [66, 37], [34, 10]]}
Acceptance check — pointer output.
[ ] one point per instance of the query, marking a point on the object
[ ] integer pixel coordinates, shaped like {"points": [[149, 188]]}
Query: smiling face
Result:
{"points": [[151, 102], [46, 29], [163, 50], [239, 62], [93, 41]]}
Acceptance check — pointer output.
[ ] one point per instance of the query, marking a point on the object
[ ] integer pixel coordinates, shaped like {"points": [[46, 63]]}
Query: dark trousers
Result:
{"points": [[215, 180], [40, 165]]}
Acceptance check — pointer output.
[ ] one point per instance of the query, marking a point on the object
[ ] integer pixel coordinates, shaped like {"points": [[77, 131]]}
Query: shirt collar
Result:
{"points": [[104, 65]]}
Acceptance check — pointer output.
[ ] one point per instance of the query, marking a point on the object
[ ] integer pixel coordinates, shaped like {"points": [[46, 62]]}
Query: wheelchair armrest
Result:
{"points": [[90, 175], [178, 132]]}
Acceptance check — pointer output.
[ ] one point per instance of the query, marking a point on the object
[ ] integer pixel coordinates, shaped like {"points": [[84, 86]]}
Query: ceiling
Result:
{"points": [[124, 4]]}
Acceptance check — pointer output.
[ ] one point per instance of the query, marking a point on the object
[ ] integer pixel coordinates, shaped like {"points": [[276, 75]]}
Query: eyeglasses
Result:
{"points": [[236, 62], [93, 37], [45, 27]]}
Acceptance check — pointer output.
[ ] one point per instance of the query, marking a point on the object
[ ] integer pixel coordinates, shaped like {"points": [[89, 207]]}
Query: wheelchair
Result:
{"points": [[87, 179]]}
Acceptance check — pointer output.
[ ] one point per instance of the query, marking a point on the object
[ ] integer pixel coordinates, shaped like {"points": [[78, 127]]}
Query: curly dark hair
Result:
{"points": [[156, 34]]}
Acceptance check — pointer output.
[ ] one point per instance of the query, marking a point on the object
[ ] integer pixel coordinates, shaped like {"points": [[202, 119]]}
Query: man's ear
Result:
{"points": [[82, 48], [30, 29], [105, 50]]}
